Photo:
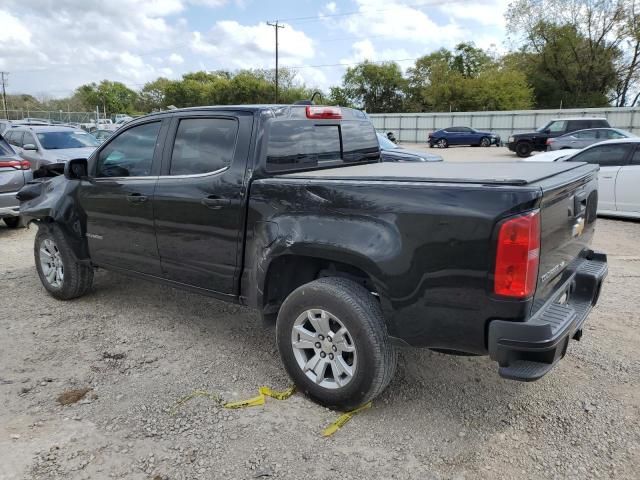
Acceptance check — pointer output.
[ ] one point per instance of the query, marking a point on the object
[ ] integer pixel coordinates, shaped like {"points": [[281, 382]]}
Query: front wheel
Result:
{"points": [[523, 149], [334, 344], [442, 143], [485, 142], [61, 275]]}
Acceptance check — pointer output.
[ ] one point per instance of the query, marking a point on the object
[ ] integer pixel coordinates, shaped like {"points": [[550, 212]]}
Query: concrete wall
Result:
{"points": [[414, 127]]}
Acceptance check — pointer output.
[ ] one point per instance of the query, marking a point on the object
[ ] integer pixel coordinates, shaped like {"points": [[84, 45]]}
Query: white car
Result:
{"points": [[619, 177], [554, 156]]}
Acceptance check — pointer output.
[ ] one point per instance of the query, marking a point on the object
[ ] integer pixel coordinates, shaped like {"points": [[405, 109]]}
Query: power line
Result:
{"points": [[277, 27], [4, 76]]}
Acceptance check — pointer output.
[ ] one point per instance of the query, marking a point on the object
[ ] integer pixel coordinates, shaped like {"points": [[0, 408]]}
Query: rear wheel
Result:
{"points": [[485, 142], [334, 344], [61, 275], [442, 143], [523, 149], [13, 222]]}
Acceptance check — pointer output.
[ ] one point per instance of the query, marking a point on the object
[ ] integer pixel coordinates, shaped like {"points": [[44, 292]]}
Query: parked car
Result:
{"points": [[102, 135], [584, 138], [619, 176], [552, 156], [462, 136], [4, 126], [391, 152], [102, 124], [14, 174], [289, 210], [525, 143], [42, 145]]}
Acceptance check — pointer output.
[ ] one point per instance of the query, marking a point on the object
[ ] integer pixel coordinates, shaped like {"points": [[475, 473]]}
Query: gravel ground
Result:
{"points": [[141, 347]]}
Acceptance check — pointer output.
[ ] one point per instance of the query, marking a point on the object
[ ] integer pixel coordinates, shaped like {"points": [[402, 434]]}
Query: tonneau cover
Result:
{"points": [[497, 173]]}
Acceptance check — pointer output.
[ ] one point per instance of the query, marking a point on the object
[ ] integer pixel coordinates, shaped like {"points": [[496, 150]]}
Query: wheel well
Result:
{"points": [[288, 272]]}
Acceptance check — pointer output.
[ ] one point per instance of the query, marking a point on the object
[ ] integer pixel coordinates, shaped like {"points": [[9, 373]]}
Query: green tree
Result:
{"points": [[153, 95], [112, 97], [376, 88], [464, 80], [584, 52]]}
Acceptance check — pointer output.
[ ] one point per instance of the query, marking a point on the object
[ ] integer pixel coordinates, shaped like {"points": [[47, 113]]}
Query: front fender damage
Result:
{"points": [[54, 200]]}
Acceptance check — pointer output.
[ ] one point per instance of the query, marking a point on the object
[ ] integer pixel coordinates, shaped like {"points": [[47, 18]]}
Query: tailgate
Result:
{"points": [[568, 215]]}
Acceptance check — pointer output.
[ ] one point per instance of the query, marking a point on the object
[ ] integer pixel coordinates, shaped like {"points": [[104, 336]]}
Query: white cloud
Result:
{"points": [[365, 50], [176, 59], [253, 46], [393, 20], [331, 7], [483, 12]]}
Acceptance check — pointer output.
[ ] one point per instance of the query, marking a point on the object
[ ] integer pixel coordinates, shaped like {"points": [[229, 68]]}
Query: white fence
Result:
{"points": [[414, 127]]}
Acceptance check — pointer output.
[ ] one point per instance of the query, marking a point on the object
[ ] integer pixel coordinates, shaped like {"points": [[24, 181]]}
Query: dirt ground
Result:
{"points": [[131, 350]]}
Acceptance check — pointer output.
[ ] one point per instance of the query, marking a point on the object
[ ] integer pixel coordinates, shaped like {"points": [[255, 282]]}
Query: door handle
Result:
{"points": [[215, 203], [136, 198]]}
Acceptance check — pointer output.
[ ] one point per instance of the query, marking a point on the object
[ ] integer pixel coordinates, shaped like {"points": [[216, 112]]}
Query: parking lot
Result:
{"points": [[140, 348]]}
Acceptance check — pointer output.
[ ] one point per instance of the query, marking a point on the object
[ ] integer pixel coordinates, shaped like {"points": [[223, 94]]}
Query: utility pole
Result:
{"points": [[4, 79], [277, 26]]}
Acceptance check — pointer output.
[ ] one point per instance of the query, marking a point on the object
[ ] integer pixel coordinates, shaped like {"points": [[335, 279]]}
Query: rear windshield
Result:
{"points": [[300, 145], [5, 149], [61, 140]]}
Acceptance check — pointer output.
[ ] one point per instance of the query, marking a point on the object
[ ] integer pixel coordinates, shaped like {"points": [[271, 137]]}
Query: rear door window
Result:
{"points": [[15, 138], [203, 145], [605, 155], [5, 148]]}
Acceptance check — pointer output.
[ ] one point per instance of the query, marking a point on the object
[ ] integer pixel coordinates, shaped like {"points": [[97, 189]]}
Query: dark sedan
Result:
{"points": [[462, 136], [391, 152]]}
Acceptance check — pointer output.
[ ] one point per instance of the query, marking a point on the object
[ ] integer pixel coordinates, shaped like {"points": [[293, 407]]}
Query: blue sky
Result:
{"points": [[52, 46]]}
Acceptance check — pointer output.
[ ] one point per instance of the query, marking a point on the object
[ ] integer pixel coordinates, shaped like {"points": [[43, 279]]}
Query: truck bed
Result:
{"points": [[498, 173]]}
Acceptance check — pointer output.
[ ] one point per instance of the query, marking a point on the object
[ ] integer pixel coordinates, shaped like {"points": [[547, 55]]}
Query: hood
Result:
{"points": [[403, 155], [65, 154]]}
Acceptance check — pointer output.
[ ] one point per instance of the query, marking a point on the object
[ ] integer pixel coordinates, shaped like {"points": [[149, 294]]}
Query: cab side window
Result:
{"points": [[203, 145], [635, 159], [130, 154], [604, 155], [559, 126]]}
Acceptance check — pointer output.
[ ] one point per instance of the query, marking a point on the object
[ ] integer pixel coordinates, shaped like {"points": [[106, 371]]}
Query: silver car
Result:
{"points": [[14, 173], [584, 138], [42, 145]]}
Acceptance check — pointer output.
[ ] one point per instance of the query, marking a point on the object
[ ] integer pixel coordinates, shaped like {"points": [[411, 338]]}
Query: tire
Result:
{"points": [[442, 143], [485, 142], [336, 302], [70, 278], [13, 222], [523, 149]]}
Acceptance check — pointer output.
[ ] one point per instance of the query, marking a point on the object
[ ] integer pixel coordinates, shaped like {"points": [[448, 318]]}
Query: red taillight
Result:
{"points": [[17, 164], [314, 111], [518, 256]]}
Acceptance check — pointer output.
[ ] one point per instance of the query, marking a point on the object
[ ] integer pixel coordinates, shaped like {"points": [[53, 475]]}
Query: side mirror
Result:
{"points": [[29, 146], [77, 169]]}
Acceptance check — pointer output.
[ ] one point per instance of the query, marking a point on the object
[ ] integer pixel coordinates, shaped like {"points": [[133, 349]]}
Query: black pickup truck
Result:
{"points": [[288, 209]]}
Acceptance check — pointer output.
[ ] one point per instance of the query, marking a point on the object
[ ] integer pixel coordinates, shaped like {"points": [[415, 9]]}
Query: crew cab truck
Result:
{"points": [[289, 210]]}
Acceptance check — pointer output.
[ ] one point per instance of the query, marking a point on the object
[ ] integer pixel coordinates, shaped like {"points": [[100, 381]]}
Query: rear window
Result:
{"points": [[295, 144], [5, 149]]}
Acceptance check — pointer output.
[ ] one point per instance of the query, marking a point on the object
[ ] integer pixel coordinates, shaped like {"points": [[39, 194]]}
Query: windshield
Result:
{"points": [[385, 143], [67, 139]]}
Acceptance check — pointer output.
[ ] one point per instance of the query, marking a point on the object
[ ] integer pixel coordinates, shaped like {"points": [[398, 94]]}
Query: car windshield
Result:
{"points": [[385, 143], [67, 139]]}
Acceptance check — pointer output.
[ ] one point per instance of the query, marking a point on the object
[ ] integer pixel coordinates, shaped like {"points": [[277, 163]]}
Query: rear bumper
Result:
{"points": [[528, 350], [9, 205]]}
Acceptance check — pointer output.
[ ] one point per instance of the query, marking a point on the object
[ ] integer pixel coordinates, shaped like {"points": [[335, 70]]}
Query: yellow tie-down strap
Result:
{"points": [[259, 400], [343, 419], [265, 391]]}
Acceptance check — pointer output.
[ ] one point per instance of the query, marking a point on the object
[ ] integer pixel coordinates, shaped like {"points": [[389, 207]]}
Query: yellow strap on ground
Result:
{"points": [[196, 393], [259, 400], [342, 420]]}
